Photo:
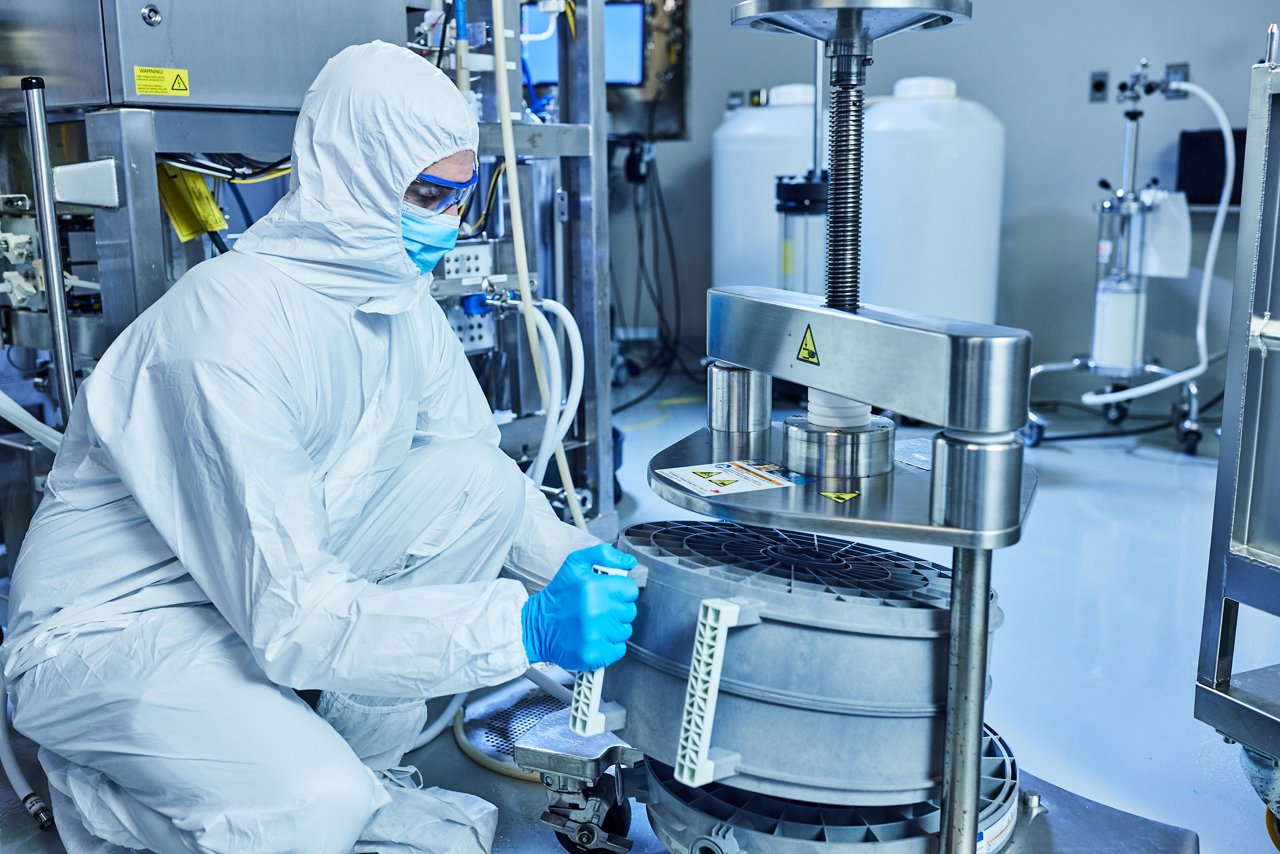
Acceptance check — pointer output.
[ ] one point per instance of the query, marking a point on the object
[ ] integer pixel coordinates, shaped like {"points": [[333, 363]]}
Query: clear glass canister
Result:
{"points": [[802, 217]]}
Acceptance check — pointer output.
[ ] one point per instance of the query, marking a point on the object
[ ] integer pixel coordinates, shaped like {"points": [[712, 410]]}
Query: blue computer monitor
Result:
{"points": [[623, 45]]}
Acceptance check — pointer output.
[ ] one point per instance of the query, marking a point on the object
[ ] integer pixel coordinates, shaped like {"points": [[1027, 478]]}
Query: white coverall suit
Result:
{"points": [[282, 475]]}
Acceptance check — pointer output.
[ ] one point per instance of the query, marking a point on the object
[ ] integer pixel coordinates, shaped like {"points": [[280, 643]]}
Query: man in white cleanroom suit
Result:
{"points": [[284, 476]]}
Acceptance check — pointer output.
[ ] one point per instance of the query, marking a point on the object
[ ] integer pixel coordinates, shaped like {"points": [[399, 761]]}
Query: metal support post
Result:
{"points": [[966, 693], [50, 253], [586, 248], [130, 238]]}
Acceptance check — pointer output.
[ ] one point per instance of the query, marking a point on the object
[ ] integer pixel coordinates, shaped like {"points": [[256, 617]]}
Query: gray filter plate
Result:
{"points": [[719, 819], [836, 695], [799, 564]]}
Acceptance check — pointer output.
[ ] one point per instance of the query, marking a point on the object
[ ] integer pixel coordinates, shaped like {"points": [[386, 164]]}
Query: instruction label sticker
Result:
{"points": [[808, 350], [174, 82], [727, 478]]}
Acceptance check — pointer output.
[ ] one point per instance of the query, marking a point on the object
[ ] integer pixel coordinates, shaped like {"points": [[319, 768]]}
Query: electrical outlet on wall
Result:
{"points": [[1099, 83], [1179, 72]]}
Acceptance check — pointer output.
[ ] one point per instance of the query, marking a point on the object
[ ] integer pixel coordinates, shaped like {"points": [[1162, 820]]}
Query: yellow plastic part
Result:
{"points": [[188, 202], [1272, 830]]}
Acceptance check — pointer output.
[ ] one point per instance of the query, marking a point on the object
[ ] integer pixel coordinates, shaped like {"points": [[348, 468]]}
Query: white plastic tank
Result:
{"points": [[750, 149], [932, 187]]}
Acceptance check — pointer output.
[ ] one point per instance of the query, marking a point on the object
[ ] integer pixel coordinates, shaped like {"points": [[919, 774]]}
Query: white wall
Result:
{"points": [[1029, 62]]}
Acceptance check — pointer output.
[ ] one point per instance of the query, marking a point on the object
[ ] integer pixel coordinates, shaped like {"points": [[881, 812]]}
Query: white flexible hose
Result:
{"points": [[577, 373], [526, 38], [538, 470], [548, 683], [8, 759], [521, 253], [1210, 261], [441, 723], [12, 411]]}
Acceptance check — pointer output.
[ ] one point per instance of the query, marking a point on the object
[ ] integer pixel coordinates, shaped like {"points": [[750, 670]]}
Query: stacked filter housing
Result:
{"points": [[831, 706]]}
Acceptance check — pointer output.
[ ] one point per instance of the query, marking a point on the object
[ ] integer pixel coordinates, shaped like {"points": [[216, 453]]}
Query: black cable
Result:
{"points": [[1114, 434], [1054, 405], [647, 393], [240, 203], [1218, 398], [675, 272], [221, 245], [444, 31], [25, 372]]}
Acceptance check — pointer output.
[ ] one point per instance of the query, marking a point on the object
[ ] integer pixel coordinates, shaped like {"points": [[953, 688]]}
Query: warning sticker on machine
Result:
{"points": [[808, 349], [840, 497], [175, 82], [727, 478]]}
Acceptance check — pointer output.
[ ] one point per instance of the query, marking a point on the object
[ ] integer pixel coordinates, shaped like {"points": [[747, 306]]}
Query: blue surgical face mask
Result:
{"points": [[428, 236]]}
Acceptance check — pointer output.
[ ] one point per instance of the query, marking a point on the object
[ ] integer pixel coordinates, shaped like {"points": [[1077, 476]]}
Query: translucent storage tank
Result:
{"points": [[750, 149], [934, 177]]}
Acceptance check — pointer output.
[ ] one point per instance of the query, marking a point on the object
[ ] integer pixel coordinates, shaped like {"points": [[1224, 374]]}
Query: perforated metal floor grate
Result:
{"points": [[798, 563], [497, 734]]}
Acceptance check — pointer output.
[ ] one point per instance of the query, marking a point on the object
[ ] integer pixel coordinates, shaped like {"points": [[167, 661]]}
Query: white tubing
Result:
{"points": [[441, 723], [1210, 261], [526, 38], [522, 257], [538, 470], [577, 372], [8, 760], [12, 411], [548, 683]]}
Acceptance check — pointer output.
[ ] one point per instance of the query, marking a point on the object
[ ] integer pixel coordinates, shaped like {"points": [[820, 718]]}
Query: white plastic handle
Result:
{"points": [[586, 717]]}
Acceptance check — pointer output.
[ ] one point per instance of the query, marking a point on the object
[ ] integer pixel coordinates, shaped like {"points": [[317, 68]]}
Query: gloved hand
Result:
{"points": [[582, 619]]}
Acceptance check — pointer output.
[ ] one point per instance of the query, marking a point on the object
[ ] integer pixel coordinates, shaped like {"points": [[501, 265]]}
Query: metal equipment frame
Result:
{"points": [[130, 237], [1244, 559]]}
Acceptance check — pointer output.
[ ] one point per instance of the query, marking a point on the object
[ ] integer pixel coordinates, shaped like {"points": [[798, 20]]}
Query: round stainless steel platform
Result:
{"points": [[830, 20]]}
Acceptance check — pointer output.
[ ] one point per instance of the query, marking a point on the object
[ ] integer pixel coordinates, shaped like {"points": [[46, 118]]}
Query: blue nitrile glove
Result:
{"points": [[582, 619]]}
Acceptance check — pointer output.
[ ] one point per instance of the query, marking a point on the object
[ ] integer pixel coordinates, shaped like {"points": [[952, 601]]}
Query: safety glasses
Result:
{"points": [[438, 194]]}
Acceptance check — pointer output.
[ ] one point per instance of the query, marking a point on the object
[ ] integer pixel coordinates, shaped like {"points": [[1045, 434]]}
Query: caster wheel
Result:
{"points": [[1116, 413], [1191, 442], [617, 822], [1273, 829], [1032, 434]]}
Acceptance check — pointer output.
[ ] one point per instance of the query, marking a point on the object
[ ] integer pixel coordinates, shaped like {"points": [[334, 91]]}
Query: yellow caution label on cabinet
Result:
{"points": [[839, 497], [175, 82], [808, 349]]}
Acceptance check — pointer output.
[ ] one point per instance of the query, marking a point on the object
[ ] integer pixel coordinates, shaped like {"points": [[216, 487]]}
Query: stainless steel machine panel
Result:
{"points": [[65, 47], [278, 48]]}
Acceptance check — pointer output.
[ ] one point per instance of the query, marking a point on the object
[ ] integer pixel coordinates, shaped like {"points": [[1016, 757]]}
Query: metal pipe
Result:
{"points": [[1273, 44], [46, 217], [1129, 180], [966, 693]]}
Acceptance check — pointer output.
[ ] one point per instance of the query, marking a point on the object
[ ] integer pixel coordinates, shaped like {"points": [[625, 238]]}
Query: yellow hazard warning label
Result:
{"points": [[724, 481], [175, 82], [808, 350], [705, 473], [839, 497]]}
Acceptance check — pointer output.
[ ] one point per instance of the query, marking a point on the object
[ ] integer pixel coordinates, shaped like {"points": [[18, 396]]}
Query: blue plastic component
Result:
{"points": [[474, 305]]}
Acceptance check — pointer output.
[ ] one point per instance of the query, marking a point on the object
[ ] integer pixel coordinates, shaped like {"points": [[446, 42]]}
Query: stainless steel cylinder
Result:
{"points": [[50, 253], [966, 695], [842, 454], [977, 485], [738, 400]]}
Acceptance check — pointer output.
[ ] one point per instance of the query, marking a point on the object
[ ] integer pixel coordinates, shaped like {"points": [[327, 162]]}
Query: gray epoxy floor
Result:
{"points": [[1093, 669]]}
